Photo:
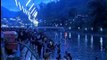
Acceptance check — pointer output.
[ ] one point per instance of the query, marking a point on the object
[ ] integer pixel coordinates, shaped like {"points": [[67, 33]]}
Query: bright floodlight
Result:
{"points": [[35, 22]]}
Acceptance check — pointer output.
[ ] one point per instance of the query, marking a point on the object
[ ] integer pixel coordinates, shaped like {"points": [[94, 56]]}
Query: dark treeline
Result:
{"points": [[96, 11]]}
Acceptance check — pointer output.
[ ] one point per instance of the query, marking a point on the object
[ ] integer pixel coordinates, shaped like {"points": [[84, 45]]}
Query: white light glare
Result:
{"points": [[35, 22], [85, 28], [101, 29], [91, 28], [4, 18], [4, 25]]}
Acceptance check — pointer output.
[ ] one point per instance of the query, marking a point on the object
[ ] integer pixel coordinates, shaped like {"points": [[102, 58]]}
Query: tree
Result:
{"points": [[97, 13], [72, 12]]}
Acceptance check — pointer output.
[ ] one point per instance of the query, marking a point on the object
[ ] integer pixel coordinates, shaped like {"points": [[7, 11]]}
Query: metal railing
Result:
{"points": [[4, 56], [32, 53]]}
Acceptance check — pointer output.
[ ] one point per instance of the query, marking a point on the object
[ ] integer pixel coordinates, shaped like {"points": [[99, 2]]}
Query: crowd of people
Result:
{"points": [[44, 46]]}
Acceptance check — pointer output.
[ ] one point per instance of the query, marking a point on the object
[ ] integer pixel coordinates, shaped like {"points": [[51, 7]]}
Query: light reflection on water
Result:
{"points": [[86, 40], [78, 40], [101, 43], [91, 41], [89, 46], [83, 47]]}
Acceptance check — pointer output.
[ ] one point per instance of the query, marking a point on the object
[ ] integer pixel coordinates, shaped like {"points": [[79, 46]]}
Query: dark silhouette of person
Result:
{"points": [[39, 47], [96, 58], [67, 56], [59, 57], [46, 55], [58, 46], [70, 57]]}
